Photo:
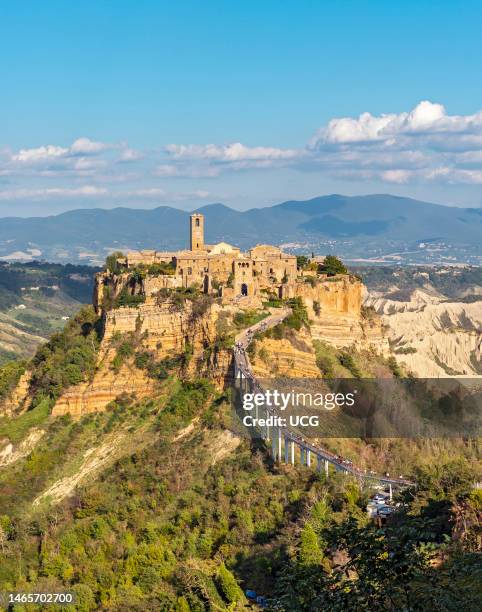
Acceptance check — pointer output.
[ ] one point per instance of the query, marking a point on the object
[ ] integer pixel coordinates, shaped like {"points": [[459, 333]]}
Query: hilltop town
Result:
{"points": [[218, 269]]}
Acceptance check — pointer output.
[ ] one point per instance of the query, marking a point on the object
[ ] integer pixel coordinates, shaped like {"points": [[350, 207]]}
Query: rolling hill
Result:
{"points": [[358, 226]]}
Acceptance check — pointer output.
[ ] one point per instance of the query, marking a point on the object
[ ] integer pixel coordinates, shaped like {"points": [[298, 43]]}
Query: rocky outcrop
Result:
{"points": [[294, 358], [10, 453], [334, 308], [173, 325], [17, 400], [165, 329]]}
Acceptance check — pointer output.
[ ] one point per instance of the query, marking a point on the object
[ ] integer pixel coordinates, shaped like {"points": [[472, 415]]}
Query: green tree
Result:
{"points": [[228, 586], [302, 261], [332, 266], [310, 550], [111, 263]]}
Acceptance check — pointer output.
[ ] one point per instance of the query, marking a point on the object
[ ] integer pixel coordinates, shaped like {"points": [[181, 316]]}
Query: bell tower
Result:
{"points": [[197, 232]]}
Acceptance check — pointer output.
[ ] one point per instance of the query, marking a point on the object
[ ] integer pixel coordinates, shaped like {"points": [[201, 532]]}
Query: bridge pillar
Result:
{"points": [[390, 491], [308, 457], [279, 442], [287, 450], [302, 455], [292, 452], [318, 463], [327, 468], [274, 445]]}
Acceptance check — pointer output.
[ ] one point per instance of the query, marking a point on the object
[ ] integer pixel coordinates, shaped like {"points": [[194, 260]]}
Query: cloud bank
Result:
{"points": [[422, 145]]}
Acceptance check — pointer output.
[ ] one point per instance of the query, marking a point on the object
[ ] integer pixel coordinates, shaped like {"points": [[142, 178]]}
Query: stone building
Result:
{"points": [[221, 267]]}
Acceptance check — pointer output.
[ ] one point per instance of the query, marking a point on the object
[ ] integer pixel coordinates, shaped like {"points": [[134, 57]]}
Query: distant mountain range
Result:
{"points": [[358, 226]]}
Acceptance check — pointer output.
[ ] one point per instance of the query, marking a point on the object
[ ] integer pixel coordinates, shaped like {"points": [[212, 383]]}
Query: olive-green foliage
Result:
{"points": [[332, 266], [394, 367], [129, 300], [299, 316], [15, 428], [347, 361], [10, 374], [390, 567], [311, 280], [111, 263], [247, 318], [124, 350], [68, 358], [302, 261], [228, 586], [162, 268]]}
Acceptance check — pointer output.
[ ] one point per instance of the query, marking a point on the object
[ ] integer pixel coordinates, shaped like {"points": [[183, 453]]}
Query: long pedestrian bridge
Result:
{"points": [[284, 440]]}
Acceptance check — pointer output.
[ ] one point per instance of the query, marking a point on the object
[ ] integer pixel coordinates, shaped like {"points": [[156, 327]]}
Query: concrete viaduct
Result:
{"points": [[283, 440]]}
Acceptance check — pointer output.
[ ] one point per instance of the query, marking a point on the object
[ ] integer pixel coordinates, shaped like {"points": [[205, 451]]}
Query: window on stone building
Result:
{"points": [[189, 271]]}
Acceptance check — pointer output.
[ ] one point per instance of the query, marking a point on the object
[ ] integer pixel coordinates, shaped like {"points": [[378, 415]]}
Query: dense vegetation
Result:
{"points": [[188, 516], [332, 266], [10, 374], [168, 527], [68, 358]]}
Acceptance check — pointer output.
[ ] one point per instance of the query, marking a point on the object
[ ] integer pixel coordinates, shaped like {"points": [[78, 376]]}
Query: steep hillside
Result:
{"points": [[125, 480]]}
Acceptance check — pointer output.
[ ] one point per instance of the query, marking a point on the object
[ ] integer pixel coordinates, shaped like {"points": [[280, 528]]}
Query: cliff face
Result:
{"points": [[164, 330], [433, 337], [187, 328], [294, 359], [17, 400], [334, 308]]}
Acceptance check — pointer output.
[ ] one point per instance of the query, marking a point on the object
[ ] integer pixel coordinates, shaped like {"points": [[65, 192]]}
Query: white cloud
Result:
{"points": [[232, 152], [424, 144], [427, 124], [85, 146], [189, 170], [153, 192], [165, 196], [47, 152], [128, 155], [396, 176], [52, 192]]}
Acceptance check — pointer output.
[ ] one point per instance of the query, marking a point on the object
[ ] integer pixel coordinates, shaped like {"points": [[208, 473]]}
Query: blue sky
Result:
{"points": [[142, 103]]}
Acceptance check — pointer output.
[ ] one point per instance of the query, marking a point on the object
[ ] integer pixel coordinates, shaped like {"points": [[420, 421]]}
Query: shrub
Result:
{"points": [[161, 269], [10, 374], [299, 316], [68, 358], [111, 263], [347, 361], [302, 261], [126, 299], [228, 586]]}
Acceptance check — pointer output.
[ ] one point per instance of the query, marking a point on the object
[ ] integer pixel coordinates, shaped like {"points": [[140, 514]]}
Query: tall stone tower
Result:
{"points": [[197, 232]]}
